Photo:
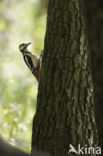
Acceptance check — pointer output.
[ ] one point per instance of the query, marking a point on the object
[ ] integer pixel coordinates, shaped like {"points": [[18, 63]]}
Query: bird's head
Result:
{"points": [[23, 47]]}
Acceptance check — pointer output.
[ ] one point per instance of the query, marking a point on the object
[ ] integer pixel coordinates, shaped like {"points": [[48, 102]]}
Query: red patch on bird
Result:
{"points": [[36, 73]]}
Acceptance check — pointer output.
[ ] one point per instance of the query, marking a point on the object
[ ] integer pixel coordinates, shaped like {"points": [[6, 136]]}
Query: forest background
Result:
{"points": [[20, 21]]}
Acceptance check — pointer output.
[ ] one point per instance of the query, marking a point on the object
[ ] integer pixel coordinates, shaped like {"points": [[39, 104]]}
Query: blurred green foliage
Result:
{"points": [[20, 21]]}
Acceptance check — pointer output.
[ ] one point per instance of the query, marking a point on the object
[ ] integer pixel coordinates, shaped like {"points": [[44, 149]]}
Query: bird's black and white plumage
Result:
{"points": [[31, 60]]}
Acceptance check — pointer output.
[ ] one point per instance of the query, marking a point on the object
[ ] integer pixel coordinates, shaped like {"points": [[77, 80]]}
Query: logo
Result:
{"points": [[84, 150]]}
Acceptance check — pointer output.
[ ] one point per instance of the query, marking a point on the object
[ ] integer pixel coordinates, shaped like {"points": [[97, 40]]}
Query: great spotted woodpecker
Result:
{"points": [[31, 60]]}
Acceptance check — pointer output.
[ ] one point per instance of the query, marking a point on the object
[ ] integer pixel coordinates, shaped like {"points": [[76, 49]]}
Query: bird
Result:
{"points": [[31, 59], [72, 149]]}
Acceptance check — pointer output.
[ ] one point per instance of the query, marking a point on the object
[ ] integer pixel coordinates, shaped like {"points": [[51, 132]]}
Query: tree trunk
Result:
{"points": [[65, 107], [94, 18]]}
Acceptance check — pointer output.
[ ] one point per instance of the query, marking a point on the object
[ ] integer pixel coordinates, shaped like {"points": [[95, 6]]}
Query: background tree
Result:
{"points": [[94, 19], [65, 107]]}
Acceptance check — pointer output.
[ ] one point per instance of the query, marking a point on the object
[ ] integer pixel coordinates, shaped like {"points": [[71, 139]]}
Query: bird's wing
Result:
{"points": [[28, 61], [35, 60]]}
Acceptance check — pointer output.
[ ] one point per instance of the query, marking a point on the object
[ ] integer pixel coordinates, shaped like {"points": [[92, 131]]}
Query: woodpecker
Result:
{"points": [[31, 60]]}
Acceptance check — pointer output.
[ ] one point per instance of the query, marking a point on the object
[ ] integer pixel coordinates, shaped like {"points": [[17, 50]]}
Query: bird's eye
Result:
{"points": [[22, 46]]}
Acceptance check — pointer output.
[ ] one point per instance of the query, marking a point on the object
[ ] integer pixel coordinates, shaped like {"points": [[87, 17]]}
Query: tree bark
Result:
{"points": [[65, 107], [93, 11]]}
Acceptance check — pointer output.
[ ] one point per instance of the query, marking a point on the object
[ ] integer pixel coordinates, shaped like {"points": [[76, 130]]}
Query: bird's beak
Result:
{"points": [[28, 44]]}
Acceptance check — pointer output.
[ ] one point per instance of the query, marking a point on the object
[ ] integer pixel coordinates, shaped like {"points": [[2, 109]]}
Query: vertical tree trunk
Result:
{"points": [[94, 18], [65, 108]]}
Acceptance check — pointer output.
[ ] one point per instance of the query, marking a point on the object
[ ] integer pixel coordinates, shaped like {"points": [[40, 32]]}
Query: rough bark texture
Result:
{"points": [[65, 111], [94, 17]]}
